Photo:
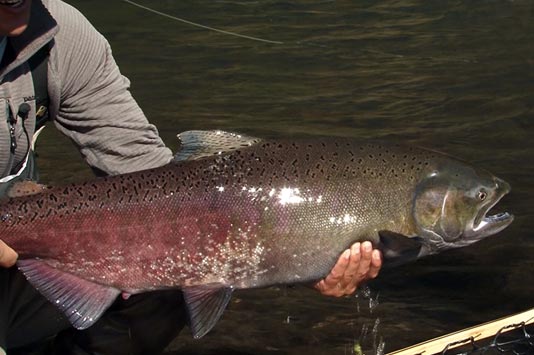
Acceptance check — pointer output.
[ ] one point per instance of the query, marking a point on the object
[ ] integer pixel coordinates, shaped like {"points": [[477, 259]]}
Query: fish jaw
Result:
{"points": [[485, 225]]}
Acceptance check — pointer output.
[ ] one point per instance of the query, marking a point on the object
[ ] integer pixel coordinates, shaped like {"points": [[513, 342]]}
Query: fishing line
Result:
{"points": [[257, 39], [200, 25]]}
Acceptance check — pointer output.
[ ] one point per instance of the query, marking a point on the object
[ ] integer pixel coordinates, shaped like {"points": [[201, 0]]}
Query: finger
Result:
{"points": [[365, 261], [362, 260], [354, 263], [376, 264], [325, 290], [331, 284], [8, 257], [336, 275]]}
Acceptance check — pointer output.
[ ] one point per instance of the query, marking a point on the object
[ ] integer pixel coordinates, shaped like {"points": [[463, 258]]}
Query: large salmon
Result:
{"points": [[240, 212]]}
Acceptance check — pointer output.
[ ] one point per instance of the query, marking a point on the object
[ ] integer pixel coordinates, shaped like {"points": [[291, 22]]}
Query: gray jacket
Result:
{"points": [[89, 98]]}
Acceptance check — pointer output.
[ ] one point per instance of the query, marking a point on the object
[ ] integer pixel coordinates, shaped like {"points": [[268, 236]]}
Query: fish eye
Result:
{"points": [[482, 195]]}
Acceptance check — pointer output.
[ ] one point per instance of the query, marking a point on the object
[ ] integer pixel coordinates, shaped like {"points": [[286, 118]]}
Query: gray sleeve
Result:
{"points": [[95, 109]]}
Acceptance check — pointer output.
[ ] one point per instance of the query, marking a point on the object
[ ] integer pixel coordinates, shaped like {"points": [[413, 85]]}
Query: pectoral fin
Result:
{"points": [[206, 305], [397, 248], [82, 301]]}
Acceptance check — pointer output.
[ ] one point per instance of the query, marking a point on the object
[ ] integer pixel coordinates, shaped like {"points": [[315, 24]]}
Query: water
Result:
{"points": [[457, 76]]}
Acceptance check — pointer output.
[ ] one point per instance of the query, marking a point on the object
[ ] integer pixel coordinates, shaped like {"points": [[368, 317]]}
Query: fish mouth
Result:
{"points": [[485, 224], [494, 223]]}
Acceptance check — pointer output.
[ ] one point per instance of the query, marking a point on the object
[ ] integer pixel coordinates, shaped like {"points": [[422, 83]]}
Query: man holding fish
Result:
{"points": [[90, 103]]}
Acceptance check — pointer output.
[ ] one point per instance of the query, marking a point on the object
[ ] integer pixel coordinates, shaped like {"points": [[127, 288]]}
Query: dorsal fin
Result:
{"points": [[200, 144]]}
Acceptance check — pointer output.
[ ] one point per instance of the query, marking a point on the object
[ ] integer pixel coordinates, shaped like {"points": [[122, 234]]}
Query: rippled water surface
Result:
{"points": [[457, 76]]}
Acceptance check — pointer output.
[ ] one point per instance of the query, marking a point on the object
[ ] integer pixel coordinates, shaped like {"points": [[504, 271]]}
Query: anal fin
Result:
{"points": [[82, 301], [206, 305]]}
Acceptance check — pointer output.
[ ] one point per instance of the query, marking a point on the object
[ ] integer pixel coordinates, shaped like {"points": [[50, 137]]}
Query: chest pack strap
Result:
{"points": [[39, 68]]}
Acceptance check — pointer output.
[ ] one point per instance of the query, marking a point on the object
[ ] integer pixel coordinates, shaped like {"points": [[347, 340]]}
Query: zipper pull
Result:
{"points": [[12, 122]]}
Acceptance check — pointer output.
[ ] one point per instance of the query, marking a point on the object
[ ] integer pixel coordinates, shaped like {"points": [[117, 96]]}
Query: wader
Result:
{"points": [[30, 324]]}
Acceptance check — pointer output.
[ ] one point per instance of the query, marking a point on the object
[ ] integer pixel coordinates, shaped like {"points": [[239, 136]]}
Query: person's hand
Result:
{"points": [[8, 257], [355, 265]]}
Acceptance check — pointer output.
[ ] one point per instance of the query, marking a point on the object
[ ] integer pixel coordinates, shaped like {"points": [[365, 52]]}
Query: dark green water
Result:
{"points": [[457, 76]]}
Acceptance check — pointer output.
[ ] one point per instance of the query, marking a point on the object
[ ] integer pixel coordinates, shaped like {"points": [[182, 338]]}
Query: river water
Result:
{"points": [[457, 76]]}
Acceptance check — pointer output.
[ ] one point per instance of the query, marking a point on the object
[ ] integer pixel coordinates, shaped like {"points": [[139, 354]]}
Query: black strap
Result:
{"points": [[39, 68]]}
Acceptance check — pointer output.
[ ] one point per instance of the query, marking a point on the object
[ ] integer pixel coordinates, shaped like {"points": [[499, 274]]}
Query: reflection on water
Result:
{"points": [[370, 340], [457, 76]]}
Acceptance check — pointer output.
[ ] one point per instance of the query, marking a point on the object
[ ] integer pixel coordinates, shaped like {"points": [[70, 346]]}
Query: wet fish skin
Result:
{"points": [[239, 212]]}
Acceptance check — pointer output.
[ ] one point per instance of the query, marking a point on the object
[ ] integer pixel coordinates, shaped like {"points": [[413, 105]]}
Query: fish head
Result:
{"points": [[451, 207]]}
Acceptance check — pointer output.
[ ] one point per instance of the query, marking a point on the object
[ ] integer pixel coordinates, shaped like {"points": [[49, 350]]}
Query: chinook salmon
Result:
{"points": [[234, 212]]}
